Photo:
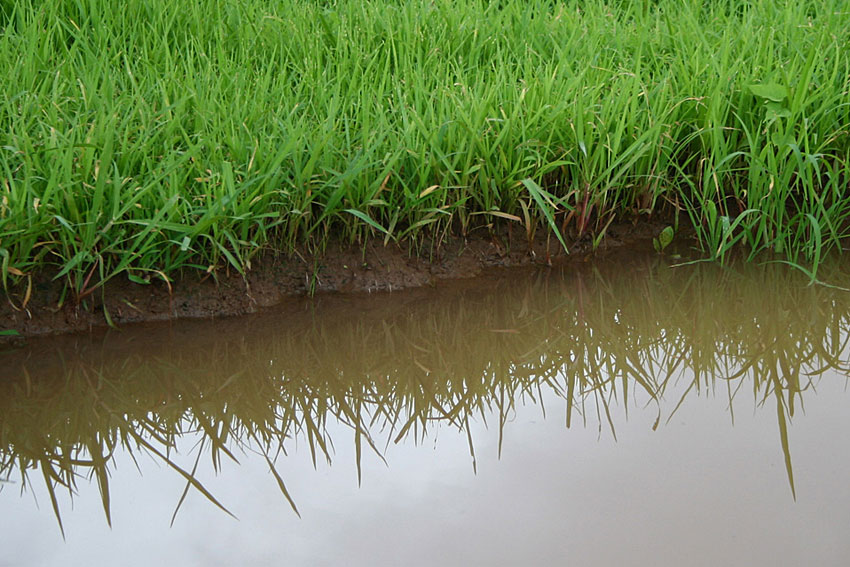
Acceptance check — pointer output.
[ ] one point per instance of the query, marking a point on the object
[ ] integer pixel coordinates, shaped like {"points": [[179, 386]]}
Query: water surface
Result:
{"points": [[620, 412]]}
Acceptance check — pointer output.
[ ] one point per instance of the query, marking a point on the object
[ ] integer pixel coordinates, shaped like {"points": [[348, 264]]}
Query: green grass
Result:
{"points": [[144, 139]]}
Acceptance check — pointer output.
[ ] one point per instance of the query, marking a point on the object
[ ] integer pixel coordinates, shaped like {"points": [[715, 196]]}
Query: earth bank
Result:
{"points": [[342, 269]]}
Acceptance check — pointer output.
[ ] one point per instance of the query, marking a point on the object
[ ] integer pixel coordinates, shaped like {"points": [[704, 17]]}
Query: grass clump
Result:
{"points": [[145, 138]]}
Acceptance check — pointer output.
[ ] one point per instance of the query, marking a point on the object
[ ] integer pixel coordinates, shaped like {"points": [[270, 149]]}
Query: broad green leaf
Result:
{"points": [[781, 140], [666, 237], [776, 110], [770, 91]]}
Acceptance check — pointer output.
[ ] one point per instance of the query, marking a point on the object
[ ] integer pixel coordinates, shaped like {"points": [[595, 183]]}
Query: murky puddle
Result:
{"points": [[624, 412]]}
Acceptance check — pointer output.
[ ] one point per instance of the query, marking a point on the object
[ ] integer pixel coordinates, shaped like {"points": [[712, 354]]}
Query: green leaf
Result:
{"points": [[9, 333], [666, 237], [776, 110], [781, 140], [710, 210], [136, 279], [544, 203], [367, 219], [770, 91]]}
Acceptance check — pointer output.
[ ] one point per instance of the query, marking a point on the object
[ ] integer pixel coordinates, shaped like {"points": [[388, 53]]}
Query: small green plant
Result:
{"points": [[774, 98], [663, 240]]}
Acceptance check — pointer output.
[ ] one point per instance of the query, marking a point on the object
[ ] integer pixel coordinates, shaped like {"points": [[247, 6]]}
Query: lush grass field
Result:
{"points": [[142, 138]]}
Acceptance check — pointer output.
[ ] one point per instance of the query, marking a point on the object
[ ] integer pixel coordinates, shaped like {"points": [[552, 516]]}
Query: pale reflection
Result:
{"points": [[631, 335]]}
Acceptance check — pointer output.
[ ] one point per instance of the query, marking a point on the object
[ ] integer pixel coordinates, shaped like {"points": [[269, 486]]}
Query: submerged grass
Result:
{"points": [[141, 139]]}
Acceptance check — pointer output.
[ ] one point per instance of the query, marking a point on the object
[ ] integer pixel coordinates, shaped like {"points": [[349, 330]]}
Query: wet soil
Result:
{"points": [[274, 277]]}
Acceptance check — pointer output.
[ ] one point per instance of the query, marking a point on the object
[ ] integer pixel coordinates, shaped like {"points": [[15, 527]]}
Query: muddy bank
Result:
{"points": [[370, 268]]}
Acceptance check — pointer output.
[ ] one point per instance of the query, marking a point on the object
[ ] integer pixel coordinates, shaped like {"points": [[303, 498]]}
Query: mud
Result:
{"points": [[273, 277]]}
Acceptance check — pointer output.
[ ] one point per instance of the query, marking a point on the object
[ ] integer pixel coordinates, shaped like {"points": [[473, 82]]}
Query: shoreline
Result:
{"points": [[372, 267]]}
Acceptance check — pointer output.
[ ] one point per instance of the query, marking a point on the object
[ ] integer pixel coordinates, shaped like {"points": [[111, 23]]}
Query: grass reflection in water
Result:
{"points": [[392, 368]]}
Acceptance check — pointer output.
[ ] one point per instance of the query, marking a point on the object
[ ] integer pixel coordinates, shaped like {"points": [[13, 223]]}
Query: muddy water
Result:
{"points": [[621, 412]]}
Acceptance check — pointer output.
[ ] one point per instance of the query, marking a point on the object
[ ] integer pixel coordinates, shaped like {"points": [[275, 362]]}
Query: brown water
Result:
{"points": [[623, 412]]}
